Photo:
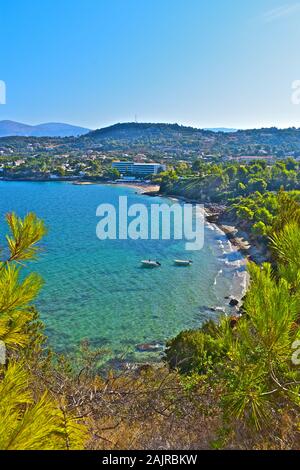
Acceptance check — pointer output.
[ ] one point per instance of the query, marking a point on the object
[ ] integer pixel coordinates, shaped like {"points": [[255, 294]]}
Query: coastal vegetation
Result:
{"points": [[250, 356], [223, 182], [250, 196], [30, 417]]}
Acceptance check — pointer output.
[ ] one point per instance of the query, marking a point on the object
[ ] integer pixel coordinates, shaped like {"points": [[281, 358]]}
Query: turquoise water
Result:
{"points": [[97, 290]]}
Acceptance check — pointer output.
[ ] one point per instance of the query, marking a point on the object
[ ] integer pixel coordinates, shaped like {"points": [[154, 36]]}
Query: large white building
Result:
{"points": [[139, 168]]}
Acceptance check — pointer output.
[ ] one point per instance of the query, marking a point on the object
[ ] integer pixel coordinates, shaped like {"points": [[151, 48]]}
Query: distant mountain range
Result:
{"points": [[220, 129], [51, 129], [57, 129]]}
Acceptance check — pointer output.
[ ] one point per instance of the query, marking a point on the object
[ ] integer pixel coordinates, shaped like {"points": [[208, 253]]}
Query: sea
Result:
{"points": [[96, 290]]}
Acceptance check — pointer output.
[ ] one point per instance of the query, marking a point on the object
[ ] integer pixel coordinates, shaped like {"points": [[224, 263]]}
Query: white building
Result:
{"points": [[139, 168]]}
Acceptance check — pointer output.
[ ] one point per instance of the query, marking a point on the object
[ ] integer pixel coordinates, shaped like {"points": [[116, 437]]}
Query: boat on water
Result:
{"points": [[183, 262], [150, 264]]}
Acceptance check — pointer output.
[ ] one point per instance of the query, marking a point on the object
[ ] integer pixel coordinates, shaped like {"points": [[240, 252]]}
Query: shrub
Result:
{"points": [[194, 351]]}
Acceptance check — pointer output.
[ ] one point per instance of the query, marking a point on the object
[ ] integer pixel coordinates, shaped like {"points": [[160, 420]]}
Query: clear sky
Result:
{"points": [[207, 63]]}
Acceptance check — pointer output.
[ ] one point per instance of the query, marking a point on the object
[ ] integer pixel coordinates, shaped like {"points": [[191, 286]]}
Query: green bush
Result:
{"points": [[194, 351], [259, 229]]}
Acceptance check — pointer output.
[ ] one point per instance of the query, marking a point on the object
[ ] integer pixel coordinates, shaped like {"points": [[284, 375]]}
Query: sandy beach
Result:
{"points": [[143, 188], [238, 244]]}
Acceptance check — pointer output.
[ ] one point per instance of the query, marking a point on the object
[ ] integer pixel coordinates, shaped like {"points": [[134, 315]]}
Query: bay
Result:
{"points": [[96, 290]]}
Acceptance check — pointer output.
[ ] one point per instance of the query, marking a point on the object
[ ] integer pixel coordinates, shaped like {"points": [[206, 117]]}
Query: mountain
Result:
{"points": [[156, 140], [142, 137], [142, 130], [135, 129], [220, 129], [182, 141], [51, 129]]}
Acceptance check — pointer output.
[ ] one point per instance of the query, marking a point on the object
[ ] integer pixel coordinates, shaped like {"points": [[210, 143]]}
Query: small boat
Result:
{"points": [[183, 262], [150, 264]]}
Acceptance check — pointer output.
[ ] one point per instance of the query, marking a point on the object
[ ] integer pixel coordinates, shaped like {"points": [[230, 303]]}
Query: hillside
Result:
{"points": [[176, 139], [51, 129], [154, 140], [142, 128]]}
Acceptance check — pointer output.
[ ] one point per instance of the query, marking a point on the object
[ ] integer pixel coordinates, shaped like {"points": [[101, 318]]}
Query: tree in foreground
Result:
{"points": [[28, 420]]}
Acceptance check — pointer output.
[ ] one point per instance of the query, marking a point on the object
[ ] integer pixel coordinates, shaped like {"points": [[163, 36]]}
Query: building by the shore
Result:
{"points": [[138, 168]]}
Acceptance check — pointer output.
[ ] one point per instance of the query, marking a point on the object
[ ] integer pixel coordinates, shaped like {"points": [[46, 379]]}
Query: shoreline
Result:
{"points": [[213, 212], [241, 278], [238, 244], [239, 250], [147, 189]]}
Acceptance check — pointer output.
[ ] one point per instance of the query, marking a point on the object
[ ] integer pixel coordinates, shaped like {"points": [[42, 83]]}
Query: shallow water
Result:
{"points": [[97, 290]]}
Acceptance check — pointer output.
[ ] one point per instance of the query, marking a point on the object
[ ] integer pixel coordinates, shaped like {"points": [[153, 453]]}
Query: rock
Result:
{"points": [[149, 347], [217, 309], [233, 302], [220, 309]]}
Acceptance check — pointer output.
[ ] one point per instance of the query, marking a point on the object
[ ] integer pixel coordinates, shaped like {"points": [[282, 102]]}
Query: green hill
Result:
{"points": [[176, 139]]}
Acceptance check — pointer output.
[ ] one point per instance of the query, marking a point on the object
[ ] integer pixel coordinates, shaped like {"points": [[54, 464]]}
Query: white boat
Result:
{"points": [[150, 264], [183, 262]]}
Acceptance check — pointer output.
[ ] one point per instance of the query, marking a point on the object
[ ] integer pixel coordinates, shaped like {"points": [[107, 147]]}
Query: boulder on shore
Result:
{"points": [[233, 302]]}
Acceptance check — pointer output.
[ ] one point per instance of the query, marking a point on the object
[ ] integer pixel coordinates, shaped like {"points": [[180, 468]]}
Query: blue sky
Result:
{"points": [[206, 63]]}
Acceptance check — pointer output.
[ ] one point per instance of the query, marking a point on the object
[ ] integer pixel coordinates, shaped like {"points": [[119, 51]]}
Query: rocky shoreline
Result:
{"points": [[216, 214]]}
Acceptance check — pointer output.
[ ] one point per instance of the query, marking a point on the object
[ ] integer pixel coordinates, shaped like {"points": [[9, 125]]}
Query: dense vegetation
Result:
{"points": [[249, 192], [216, 183], [30, 418], [172, 137], [47, 167], [250, 357]]}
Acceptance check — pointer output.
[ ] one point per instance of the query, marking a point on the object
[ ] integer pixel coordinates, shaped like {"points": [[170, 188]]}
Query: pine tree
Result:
{"points": [[27, 421]]}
